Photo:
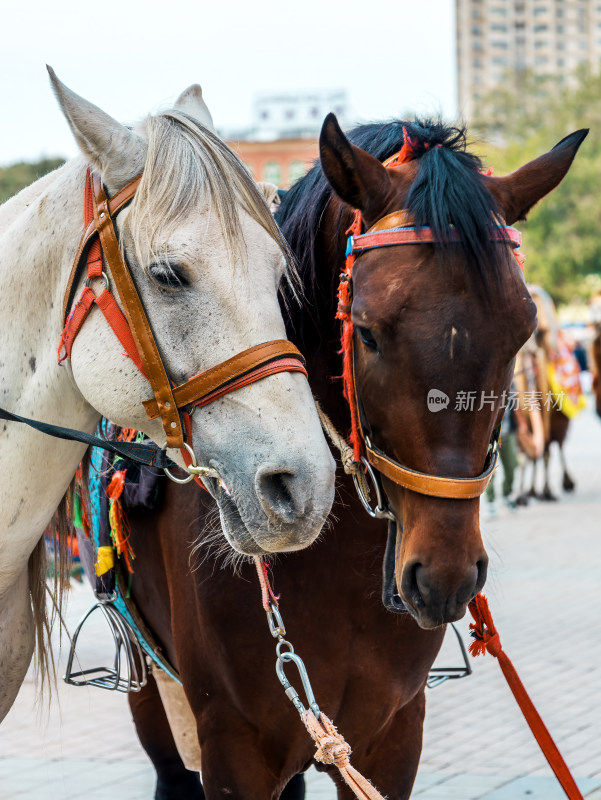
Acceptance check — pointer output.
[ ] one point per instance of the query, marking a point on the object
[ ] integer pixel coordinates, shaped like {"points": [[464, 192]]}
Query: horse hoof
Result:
{"points": [[568, 484], [532, 493], [188, 787], [522, 500], [548, 496]]}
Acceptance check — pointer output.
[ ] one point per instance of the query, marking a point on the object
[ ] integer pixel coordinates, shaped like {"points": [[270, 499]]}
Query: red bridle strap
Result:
{"points": [[412, 235], [241, 370]]}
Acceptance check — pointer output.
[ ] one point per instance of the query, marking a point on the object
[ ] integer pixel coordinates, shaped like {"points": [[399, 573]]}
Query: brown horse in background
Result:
{"points": [[596, 352], [531, 374], [449, 317]]}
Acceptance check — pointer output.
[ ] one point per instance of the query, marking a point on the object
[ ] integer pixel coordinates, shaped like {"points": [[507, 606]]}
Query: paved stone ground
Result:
{"points": [[544, 590]]}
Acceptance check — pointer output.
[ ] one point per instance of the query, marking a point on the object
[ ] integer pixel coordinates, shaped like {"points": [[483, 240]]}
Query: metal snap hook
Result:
{"points": [[291, 692]]}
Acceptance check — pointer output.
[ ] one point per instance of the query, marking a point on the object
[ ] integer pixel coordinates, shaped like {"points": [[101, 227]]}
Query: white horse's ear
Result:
{"points": [[116, 152], [270, 193], [191, 101]]}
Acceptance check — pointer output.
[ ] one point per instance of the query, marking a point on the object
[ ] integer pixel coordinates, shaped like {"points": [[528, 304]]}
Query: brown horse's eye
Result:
{"points": [[367, 338]]}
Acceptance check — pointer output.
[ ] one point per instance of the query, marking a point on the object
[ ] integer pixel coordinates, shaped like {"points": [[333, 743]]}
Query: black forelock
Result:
{"points": [[449, 189]]}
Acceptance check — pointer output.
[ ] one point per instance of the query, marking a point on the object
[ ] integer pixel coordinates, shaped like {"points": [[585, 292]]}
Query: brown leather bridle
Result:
{"points": [[133, 328], [395, 229]]}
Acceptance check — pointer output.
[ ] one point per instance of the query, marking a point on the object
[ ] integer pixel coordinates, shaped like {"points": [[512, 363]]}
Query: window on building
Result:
{"points": [[264, 114], [476, 30], [272, 172], [540, 44], [540, 60], [540, 28], [500, 45], [296, 170], [520, 8], [477, 63], [540, 10], [500, 62], [500, 28], [290, 114], [499, 11]]}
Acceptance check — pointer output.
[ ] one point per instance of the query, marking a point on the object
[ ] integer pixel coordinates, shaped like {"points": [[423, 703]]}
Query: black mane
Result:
{"points": [[449, 188]]}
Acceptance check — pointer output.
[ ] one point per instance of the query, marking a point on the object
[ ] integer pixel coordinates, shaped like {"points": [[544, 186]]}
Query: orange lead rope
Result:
{"points": [[486, 638]]}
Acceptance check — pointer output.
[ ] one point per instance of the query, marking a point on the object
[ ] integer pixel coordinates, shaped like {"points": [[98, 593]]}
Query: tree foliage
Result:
{"points": [[562, 240], [18, 176]]}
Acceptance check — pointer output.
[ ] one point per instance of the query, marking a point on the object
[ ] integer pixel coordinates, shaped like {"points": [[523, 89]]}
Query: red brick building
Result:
{"points": [[282, 161]]}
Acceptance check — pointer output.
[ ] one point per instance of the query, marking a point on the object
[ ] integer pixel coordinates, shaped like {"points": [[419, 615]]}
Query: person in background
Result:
{"points": [[509, 460], [580, 356]]}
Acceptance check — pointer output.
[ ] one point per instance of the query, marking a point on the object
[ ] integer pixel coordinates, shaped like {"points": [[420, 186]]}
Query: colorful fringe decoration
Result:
{"points": [[118, 520], [345, 299], [406, 153]]}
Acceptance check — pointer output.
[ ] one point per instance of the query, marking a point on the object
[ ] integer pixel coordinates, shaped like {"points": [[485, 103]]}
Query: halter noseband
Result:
{"points": [[134, 332], [394, 229]]}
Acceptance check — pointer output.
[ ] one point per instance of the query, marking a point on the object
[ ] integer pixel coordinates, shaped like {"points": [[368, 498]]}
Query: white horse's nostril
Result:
{"points": [[277, 491]]}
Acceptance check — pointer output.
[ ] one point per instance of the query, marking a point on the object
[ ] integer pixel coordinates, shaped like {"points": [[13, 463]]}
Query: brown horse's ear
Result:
{"points": [[357, 178], [520, 190]]}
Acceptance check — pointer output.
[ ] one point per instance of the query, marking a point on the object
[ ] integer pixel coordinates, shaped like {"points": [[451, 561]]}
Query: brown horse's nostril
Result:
{"points": [[482, 567], [275, 490], [409, 587], [437, 599]]}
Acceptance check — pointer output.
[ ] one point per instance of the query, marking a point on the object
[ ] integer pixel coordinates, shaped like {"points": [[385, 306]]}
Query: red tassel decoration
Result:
{"points": [[117, 519]]}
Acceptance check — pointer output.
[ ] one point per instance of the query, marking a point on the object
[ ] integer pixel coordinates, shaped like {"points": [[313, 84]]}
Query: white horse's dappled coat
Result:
{"points": [[205, 255]]}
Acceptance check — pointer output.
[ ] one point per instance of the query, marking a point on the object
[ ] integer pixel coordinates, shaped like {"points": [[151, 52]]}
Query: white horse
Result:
{"points": [[207, 259]]}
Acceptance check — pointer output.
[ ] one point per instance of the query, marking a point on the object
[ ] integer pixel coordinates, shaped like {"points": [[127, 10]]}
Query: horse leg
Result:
{"points": [[522, 498], [393, 756], [532, 492], [568, 483], [174, 781], [295, 789], [547, 493], [16, 640], [236, 764]]}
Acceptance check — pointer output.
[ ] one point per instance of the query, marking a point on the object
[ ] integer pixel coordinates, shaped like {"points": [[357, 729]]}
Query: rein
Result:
{"points": [[133, 329]]}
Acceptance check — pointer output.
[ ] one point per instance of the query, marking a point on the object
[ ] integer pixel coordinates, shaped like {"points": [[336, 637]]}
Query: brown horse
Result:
{"points": [[596, 351], [539, 351], [448, 316]]}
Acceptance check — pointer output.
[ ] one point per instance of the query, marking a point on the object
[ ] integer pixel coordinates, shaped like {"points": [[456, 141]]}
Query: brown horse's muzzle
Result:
{"points": [[440, 559]]}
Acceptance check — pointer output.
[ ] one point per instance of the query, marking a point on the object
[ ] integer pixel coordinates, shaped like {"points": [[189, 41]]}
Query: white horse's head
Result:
{"points": [[207, 260]]}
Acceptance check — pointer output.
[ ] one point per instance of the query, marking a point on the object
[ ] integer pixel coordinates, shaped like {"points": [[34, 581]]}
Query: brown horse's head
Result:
{"points": [[436, 331]]}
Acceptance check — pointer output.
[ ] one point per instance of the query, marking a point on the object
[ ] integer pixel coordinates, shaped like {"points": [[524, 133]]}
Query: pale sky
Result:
{"points": [[134, 57]]}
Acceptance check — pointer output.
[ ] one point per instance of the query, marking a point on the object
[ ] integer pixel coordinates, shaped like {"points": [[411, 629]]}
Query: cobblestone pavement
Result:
{"points": [[544, 589]]}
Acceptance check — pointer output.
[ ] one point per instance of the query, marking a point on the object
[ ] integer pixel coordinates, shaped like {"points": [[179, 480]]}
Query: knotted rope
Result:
{"points": [[333, 749], [487, 639], [347, 455]]}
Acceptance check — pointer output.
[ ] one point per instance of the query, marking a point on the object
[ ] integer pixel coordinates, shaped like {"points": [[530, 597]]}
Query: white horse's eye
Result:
{"points": [[168, 275]]}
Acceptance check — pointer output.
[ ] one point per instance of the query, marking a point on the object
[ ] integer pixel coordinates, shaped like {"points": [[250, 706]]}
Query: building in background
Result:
{"points": [[281, 144], [498, 38]]}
